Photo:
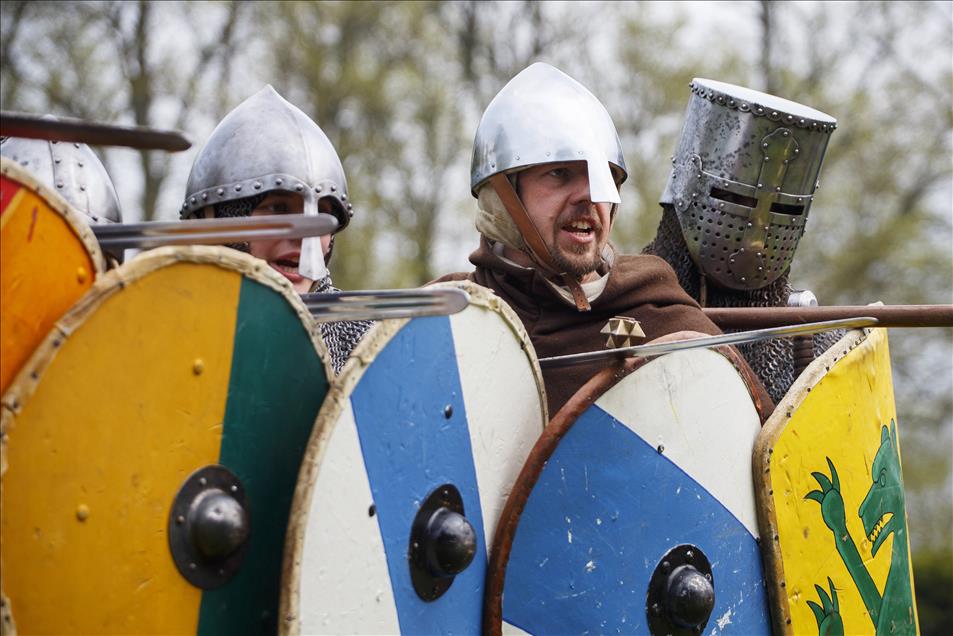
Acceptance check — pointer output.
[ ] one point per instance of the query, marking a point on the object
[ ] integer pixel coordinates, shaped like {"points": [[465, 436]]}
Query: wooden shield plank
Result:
{"points": [[182, 358], [830, 494], [661, 460], [48, 260], [431, 401]]}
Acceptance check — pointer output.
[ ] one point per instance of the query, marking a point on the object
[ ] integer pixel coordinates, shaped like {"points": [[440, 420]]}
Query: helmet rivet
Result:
{"points": [[55, 160], [59, 184], [82, 188], [764, 145], [333, 188], [238, 188], [778, 189], [766, 158], [799, 199], [760, 185], [721, 206], [790, 118], [192, 200], [299, 187], [785, 133], [517, 158], [796, 151], [279, 181], [760, 269], [349, 206], [317, 189], [743, 279], [344, 197], [75, 145], [257, 185], [80, 163], [54, 142], [749, 225]]}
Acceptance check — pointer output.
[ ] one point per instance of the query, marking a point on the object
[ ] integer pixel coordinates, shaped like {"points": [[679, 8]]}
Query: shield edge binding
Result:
{"points": [[337, 398]]}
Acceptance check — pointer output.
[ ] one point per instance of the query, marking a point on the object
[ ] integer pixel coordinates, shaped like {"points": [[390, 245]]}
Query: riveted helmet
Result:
{"points": [[268, 144], [743, 178], [71, 169], [543, 116]]}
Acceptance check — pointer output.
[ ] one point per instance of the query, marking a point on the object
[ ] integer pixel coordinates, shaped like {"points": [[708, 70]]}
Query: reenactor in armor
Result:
{"points": [[73, 171], [547, 163], [267, 157], [743, 178]]}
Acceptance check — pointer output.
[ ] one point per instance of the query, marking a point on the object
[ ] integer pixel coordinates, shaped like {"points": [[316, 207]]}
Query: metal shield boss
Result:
{"points": [[643, 517], [49, 258], [266, 144], [542, 116], [411, 461], [743, 178], [831, 498], [152, 445]]}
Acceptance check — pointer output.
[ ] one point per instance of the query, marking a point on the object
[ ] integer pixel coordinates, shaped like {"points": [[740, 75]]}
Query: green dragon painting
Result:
{"points": [[882, 513]]}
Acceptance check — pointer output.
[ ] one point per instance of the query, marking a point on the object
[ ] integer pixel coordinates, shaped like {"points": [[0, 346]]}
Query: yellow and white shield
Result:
{"points": [[830, 497]]}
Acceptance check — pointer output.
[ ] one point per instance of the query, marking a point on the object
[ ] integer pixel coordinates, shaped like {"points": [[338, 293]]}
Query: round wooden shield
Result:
{"points": [[48, 259], [153, 444], [831, 498], [437, 408], [654, 476]]}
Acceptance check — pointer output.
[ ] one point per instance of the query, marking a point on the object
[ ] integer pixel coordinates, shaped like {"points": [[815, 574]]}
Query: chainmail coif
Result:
{"points": [[772, 360], [342, 336]]}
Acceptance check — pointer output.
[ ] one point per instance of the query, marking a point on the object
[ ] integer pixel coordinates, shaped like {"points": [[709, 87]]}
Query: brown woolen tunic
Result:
{"points": [[640, 287]]}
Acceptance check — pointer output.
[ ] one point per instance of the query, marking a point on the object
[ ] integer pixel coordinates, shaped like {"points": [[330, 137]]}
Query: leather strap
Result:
{"points": [[537, 247]]}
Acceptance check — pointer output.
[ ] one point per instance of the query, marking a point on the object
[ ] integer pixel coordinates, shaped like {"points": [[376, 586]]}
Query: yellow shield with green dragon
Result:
{"points": [[831, 500]]}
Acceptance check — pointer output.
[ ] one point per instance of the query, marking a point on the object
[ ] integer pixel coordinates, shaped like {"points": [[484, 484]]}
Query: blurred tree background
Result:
{"points": [[399, 88]]}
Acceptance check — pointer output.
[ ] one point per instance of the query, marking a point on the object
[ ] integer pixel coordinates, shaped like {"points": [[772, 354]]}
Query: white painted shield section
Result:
{"points": [[347, 571], [505, 410], [659, 399]]}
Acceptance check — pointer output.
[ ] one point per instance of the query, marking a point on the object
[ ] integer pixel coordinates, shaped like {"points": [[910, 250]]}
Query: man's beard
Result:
{"points": [[577, 260]]}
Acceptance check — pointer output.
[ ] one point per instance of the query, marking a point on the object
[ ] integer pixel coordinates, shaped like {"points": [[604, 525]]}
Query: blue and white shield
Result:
{"points": [[661, 461], [426, 409]]}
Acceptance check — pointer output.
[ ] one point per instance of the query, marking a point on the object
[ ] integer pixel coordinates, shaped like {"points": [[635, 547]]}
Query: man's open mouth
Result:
{"points": [[579, 227], [286, 266]]}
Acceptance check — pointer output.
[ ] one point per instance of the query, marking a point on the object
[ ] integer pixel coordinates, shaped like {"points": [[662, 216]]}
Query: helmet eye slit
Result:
{"points": [[790, 210], [731, 197]]}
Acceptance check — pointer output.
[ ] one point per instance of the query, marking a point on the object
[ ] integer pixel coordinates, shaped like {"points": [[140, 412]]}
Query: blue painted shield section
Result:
{"points": [[410, 448], [607, 507]]}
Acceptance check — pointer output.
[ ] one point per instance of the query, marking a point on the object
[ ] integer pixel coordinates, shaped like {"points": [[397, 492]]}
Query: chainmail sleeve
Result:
{"points": [[342, 336], [772, 360]]}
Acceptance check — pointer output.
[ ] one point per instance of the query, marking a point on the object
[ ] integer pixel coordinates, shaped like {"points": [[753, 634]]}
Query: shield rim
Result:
{"points": [[546, 445], [334, 403], [761, 470]]}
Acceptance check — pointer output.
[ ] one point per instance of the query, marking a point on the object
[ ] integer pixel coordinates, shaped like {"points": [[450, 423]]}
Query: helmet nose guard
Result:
{"points": [[743, 178], [544, 116], [71, 169]]}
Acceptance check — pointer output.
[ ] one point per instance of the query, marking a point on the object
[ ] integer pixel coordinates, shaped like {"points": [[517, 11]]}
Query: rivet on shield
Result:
{"points": [[442, 543], [209, 526]]}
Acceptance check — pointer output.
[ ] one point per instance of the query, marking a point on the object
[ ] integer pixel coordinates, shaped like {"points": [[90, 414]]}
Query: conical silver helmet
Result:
{"points": [[72, 170], [266, 144], [743, 178], [543, 116]]}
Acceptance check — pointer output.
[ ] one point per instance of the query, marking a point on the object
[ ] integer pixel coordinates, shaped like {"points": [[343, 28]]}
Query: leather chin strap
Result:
{"points": [[537, 247]]}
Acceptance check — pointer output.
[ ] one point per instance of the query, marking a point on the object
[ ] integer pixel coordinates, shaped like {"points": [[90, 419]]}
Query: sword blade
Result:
{"points": [[384, 304], [644, 351], [118, 236], [89, 132]]}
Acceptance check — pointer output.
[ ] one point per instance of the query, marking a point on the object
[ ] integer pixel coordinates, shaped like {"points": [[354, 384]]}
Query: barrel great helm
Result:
{"points": [[544, 116], [267, 144], [72, 170], [743, 178]]}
